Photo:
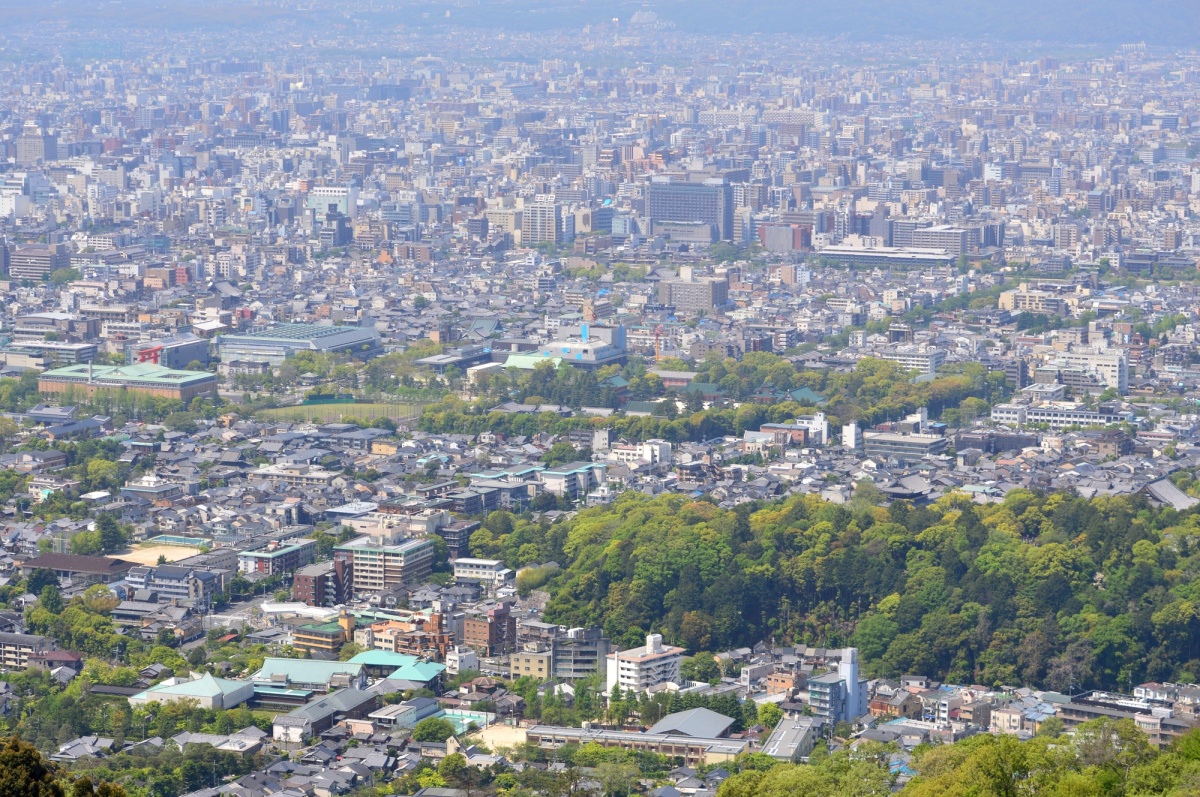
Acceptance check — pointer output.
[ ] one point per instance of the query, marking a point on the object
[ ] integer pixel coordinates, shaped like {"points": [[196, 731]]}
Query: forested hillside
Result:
{"points": [[1051, 591], [1101, 758]]}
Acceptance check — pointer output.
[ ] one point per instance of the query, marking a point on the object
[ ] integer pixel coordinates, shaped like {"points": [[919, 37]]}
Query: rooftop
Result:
{"points": [[138, 373]]}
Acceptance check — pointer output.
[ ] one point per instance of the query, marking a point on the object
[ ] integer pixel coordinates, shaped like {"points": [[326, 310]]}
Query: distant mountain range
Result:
{"points": [[1157, 22]]}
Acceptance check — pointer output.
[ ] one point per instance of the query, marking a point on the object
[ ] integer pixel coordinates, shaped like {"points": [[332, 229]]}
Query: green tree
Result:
{"points": [[24, 773], [39, 579], [349, 651], [101, 472], [769, 715], [50, 599], [430, 729], [617, 778], [110, 536], [559, 454]]}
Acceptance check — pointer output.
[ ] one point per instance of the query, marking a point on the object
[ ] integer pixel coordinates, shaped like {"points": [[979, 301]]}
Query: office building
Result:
{"points": [[36, 262], [954, 240], [1060, 414], [902, 446], [579, 653], [922, 359], [694, 295], [542, 222], [175, 583], [885, 257], [324, 199], [35, 148], [1112, 370], [574, 653], [706, 203], [573, 480]]}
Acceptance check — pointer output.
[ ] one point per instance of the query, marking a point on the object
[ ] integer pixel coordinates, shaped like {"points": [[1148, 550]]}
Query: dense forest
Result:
{"points": [[1053, 591]]}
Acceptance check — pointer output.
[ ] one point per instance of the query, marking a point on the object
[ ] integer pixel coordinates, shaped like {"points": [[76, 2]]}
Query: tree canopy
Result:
{"points": [[1053, 591]]}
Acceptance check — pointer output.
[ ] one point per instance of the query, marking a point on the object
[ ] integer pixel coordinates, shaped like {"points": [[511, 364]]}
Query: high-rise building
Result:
{"points": [[641, 668], [541, 222], [324, 583], [34, 147], [708, 202], [839, 696]]}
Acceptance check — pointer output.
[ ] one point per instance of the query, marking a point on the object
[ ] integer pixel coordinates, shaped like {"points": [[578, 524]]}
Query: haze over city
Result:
{"points": [[548, 399]]}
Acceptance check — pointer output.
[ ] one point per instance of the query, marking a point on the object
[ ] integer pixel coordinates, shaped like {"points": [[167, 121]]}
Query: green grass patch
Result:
{"points": [[328, 413]]}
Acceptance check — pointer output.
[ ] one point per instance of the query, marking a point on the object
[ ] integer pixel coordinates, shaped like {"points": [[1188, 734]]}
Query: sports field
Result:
{"points": [[148, 553], [327, 413]]}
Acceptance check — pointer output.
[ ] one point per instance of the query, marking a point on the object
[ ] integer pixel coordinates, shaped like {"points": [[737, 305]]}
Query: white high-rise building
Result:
{"points": [[541, 222], [640, 668]]}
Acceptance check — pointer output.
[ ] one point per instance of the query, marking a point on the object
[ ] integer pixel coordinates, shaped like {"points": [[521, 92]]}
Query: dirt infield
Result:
{"points": [[495, 736], [148, 553]]}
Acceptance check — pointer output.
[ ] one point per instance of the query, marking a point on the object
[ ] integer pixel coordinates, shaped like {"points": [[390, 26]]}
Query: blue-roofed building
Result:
{"points": [[318, 676], [207, 691], [399, 666], [382, 662]]}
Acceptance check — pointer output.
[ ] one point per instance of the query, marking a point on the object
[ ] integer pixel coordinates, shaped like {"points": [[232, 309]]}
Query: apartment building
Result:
{"points": [[324, 583], [378, 567], [490, 630], [640, 668], [923, 359], [486, 571], [16, 649], [277, 558], [1059, 414]]}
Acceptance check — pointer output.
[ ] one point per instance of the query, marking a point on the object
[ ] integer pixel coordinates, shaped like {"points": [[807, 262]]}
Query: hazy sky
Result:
{"points": [[1168, 22]]}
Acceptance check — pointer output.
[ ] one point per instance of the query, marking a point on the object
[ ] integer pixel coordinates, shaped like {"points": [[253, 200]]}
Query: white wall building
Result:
{"points": [[640, 668]]}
